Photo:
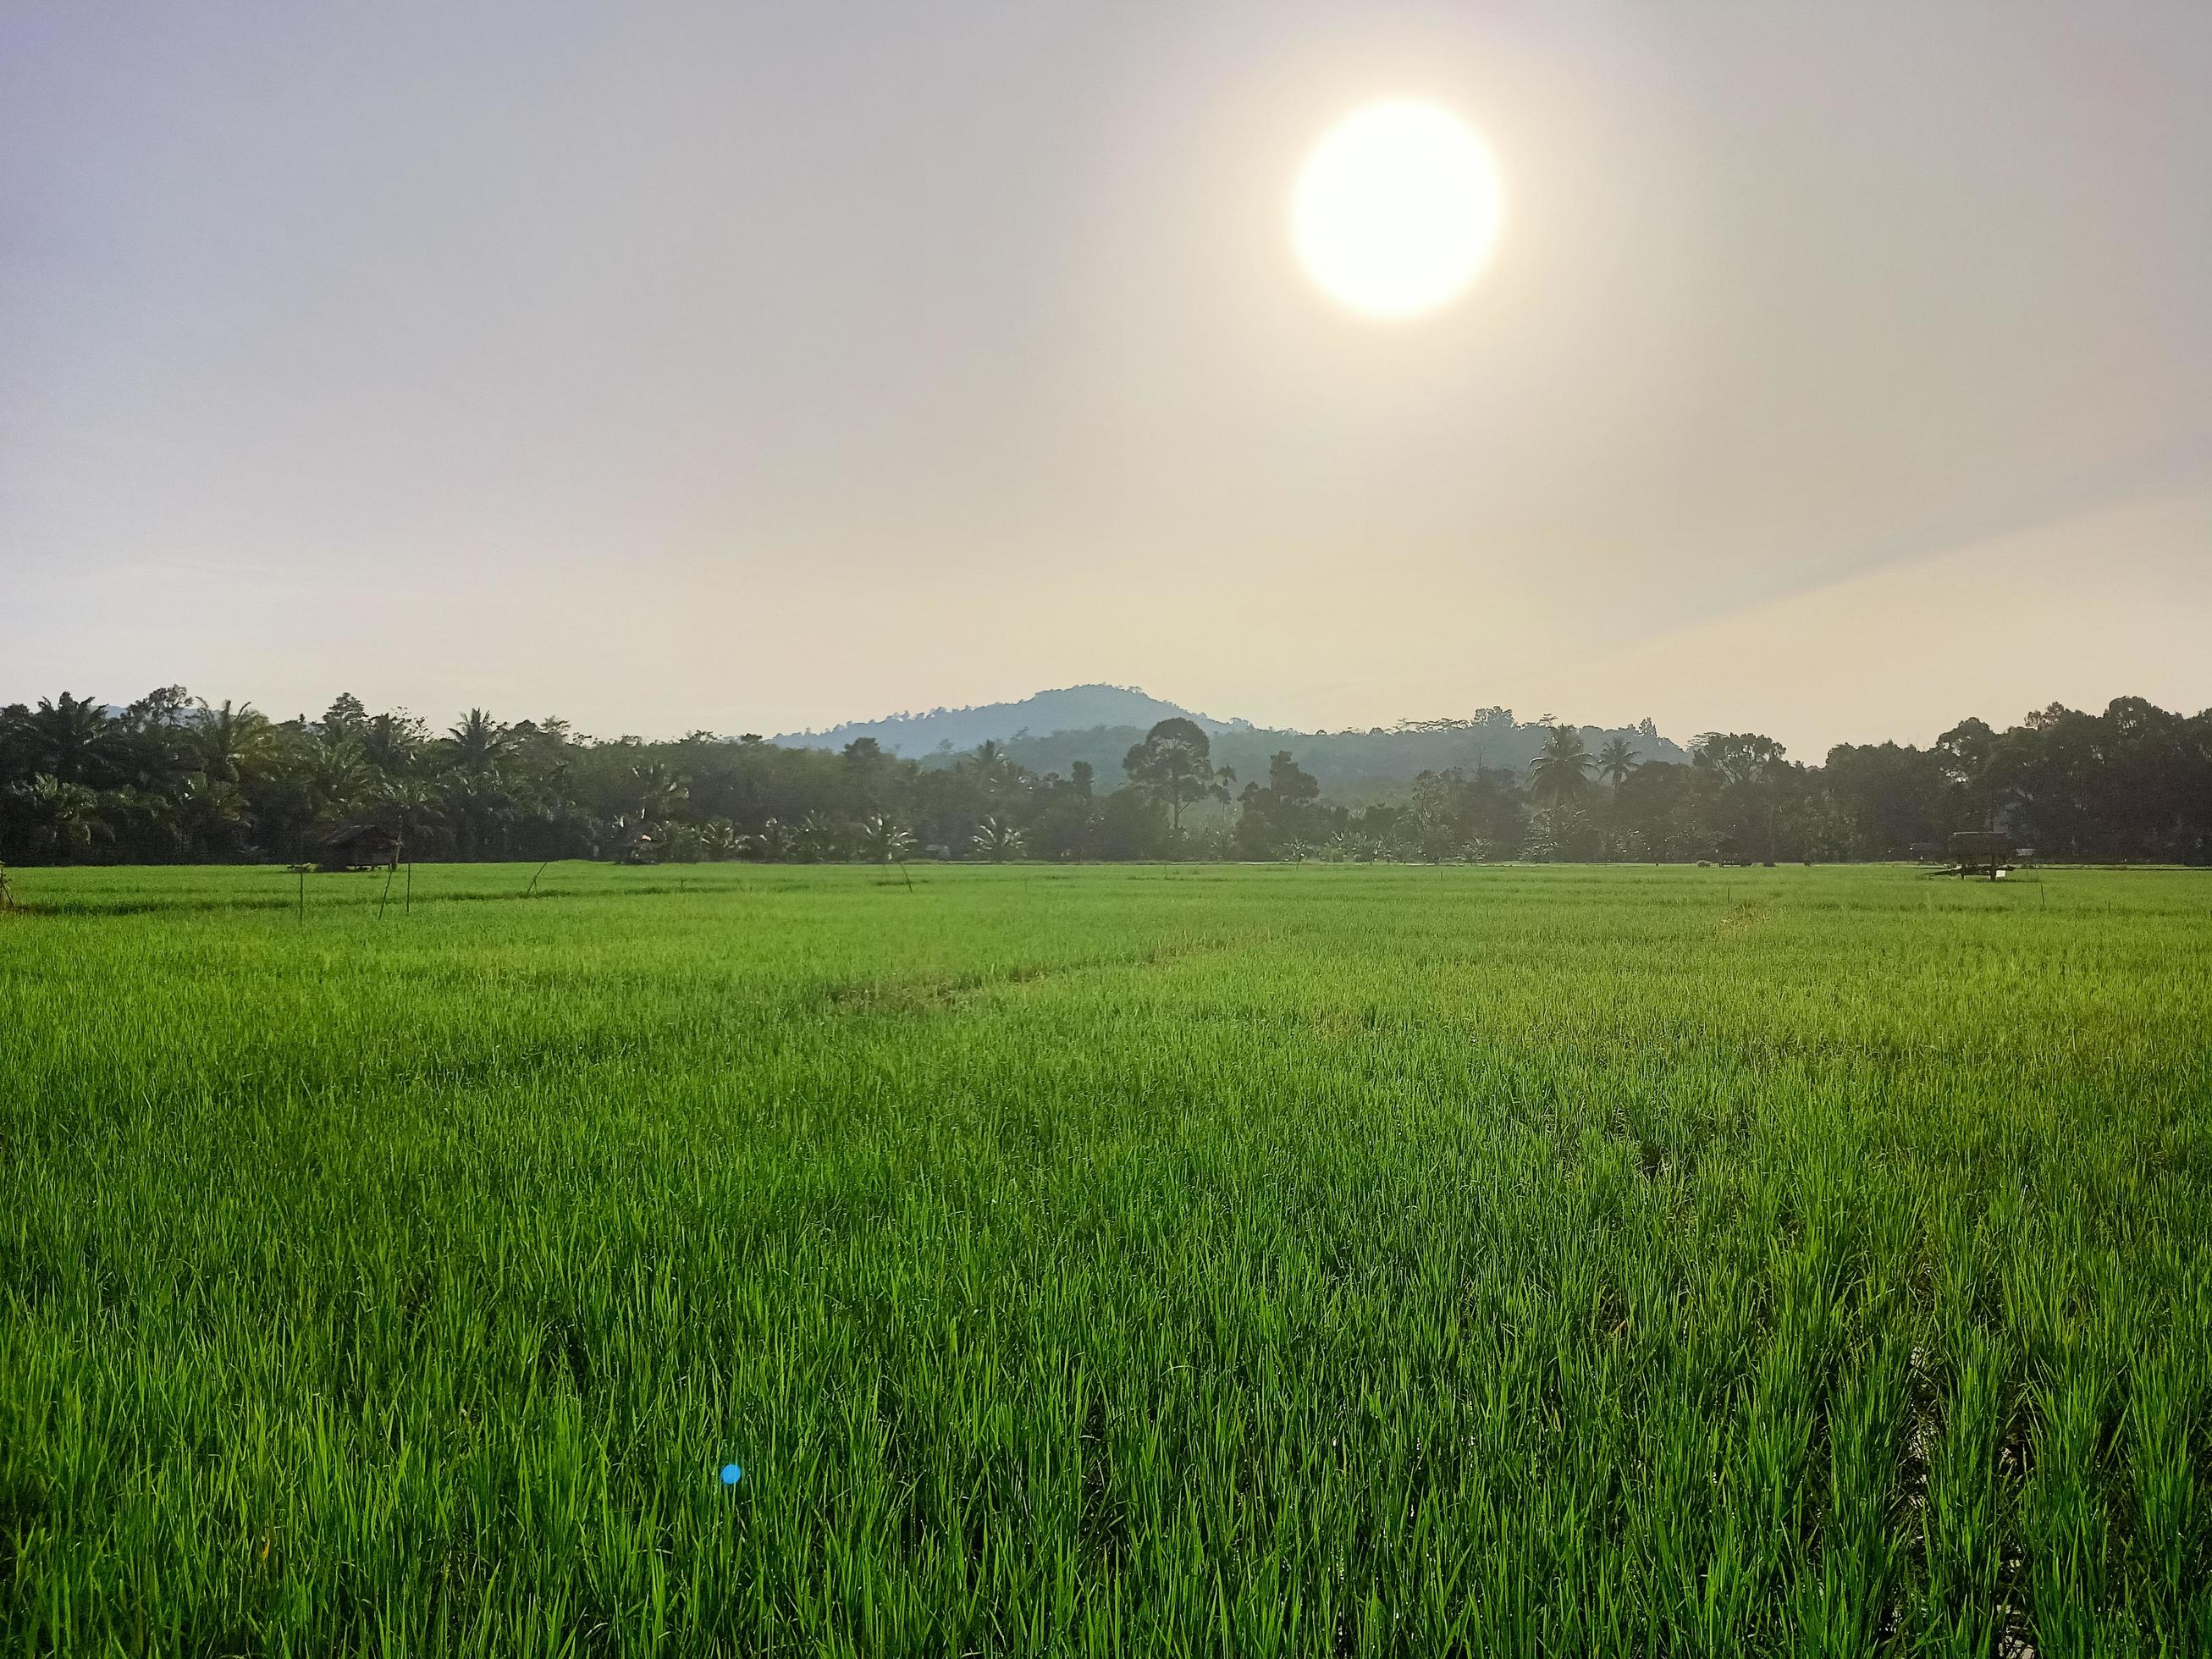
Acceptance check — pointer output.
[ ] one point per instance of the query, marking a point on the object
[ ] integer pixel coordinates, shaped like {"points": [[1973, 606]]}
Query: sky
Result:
{"points": [[1838, 370]]}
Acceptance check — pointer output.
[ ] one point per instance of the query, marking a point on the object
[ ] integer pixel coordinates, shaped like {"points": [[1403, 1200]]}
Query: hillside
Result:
{"points": [[1052, 730], [1070, 708]]}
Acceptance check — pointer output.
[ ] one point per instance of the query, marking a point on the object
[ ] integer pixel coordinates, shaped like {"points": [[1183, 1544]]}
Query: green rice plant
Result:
{"points": [[1344, 1257]]}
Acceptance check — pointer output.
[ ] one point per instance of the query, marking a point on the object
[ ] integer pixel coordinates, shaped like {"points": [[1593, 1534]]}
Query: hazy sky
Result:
{"points": [[1840, 370]]}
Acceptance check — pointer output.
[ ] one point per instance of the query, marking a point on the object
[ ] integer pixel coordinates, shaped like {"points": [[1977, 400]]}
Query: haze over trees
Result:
{"points": [[173, 778]]}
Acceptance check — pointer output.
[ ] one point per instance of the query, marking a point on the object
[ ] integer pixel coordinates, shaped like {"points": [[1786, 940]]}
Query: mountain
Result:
{"points": [[1070, 708], [1052, 730]]}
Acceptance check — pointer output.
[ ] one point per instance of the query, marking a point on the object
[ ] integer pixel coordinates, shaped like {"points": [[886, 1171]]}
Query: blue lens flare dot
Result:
{"points": [[732, 1474]]}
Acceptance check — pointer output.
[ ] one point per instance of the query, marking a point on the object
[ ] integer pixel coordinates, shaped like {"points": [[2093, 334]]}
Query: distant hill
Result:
{"points": [[1070, 708], [1052, 730]]}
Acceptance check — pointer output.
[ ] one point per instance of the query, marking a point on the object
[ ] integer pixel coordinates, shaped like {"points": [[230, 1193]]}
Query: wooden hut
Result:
{"points": [[1980, 853], [358, 847]]}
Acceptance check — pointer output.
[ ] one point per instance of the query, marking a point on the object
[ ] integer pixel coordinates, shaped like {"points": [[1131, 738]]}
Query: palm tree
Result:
{"points": [[407, 807], [478, 743], [998, 842], [233, 739], [214, 813], [336, 776], [477, 804], [1616, 762], [68, 737], [994, 770], [64, 817], [1561, 767], [145, 820], [389, 743]]}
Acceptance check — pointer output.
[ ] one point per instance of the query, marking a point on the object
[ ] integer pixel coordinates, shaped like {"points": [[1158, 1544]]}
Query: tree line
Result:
{"points": [[173, 778]]}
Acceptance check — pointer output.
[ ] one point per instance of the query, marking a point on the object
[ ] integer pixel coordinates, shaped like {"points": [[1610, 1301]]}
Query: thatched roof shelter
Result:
{"points": [[357, 846]]}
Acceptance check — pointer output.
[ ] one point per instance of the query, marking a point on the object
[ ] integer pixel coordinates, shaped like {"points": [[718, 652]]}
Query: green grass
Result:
{"points": [[1144, 1260]]}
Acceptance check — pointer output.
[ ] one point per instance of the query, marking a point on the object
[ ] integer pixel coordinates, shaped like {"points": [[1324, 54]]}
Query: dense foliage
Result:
{"points": [[1346, 1259], [171, 778]]}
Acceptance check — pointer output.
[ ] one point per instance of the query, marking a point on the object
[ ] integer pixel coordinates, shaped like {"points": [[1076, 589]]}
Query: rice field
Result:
{"points": [[1217, 1259]]}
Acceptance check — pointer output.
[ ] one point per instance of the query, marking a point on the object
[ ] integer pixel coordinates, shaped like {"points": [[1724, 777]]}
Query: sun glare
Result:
{"points": [[1397, 210]]}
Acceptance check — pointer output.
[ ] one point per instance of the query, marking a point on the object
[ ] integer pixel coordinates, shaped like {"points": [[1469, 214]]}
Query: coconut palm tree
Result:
{"points": [[478, 743], [1616, 762], [1561, 767]]}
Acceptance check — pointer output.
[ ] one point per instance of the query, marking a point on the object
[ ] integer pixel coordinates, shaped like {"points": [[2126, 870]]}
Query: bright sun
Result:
{"points": [[1397, 209]]}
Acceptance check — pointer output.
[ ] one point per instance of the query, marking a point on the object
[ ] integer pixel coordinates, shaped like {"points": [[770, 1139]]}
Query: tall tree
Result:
{"points": [[392, 742], [1278, 815], [1561, 767], [479, 807], [410, 809], [867, 771], [1747, 770], [1966, 752], [1174, 766], [345, 720], [69, 738], [234, 739], [1616, 762], [477, 743]]}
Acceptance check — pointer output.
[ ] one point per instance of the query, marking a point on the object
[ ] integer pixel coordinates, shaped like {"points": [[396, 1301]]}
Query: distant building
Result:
{"points": [[357, 846], [1980, 852]]}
